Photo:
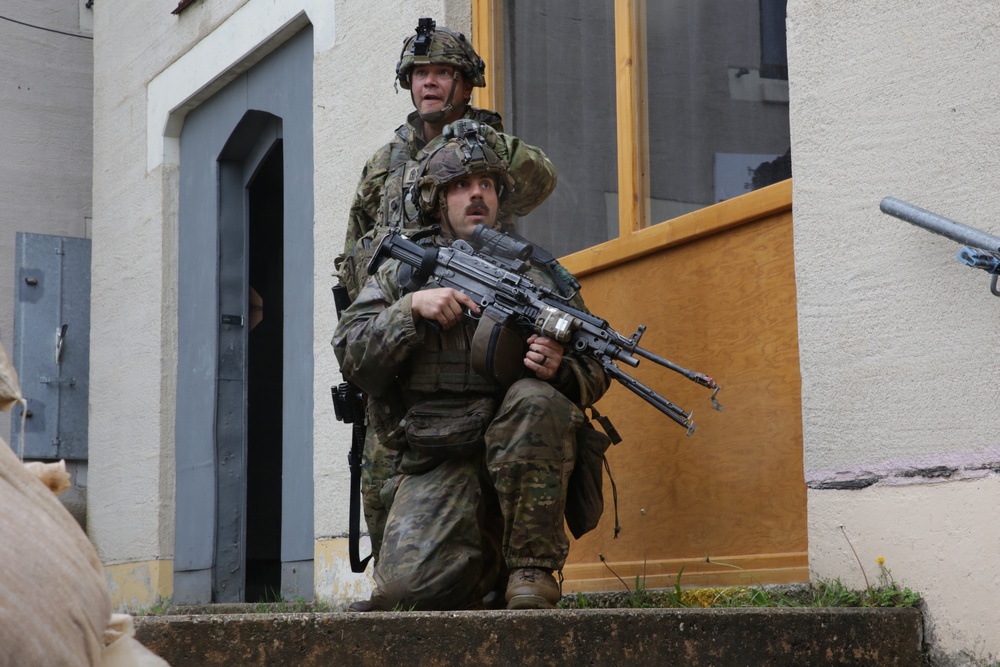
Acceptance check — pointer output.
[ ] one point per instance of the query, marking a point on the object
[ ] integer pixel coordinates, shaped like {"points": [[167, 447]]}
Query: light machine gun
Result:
{"points": [[491, 270], [981, 251]]}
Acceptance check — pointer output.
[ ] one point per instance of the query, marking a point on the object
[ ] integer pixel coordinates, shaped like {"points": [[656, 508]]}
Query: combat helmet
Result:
{"points": [[439, 46], [460, 151]]}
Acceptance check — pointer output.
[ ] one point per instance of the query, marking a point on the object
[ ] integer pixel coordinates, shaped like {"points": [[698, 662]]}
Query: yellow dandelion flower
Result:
{"points": [[880, 560]]}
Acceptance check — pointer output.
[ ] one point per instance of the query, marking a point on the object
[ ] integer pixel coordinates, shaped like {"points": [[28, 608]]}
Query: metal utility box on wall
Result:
{"points": [[52, 344]]}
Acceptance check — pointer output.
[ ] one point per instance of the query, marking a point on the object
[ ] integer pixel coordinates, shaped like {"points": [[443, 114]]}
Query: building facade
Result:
{"points": [[46, 113], [228, 136], [893, 99]]}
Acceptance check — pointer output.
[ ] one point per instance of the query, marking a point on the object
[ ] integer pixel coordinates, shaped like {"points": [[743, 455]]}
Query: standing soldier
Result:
{"points": [[440, 68]]}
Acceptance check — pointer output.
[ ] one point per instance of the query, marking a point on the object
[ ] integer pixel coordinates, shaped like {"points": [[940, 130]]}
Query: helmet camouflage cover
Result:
{"points": [[439, 46], [450, 158]]}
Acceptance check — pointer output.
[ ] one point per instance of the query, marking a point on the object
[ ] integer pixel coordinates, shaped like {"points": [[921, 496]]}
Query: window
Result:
{"points": [[678, 104], [560, 96]]}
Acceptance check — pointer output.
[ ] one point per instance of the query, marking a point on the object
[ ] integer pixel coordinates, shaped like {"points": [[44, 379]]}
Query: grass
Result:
{"points": [[271, 604], [822, 593], [885, 592], [818, 594], [158, 609]]}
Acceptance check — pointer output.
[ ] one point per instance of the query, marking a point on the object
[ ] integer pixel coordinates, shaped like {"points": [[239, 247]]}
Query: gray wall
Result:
{"points": [[46, 89], [46, 116]]}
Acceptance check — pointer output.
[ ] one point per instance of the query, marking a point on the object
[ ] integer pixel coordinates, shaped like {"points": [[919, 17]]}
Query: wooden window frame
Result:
{"points": [[637, 236]]}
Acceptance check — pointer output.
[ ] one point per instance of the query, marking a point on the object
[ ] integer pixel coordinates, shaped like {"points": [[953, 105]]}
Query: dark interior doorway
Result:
{"points": [[265, 206]]}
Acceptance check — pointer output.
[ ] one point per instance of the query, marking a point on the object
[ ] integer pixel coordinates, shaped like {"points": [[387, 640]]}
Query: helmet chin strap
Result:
{"points": [[436, 117], [443, 212]]}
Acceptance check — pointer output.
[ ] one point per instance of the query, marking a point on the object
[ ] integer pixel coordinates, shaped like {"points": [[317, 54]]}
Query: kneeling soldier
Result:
{"points": [[485, 457]]}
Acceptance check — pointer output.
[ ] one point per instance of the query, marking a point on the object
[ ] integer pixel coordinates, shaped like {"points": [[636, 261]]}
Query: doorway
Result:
{"points": [[265, 195], [244, 426], [250, 373]]}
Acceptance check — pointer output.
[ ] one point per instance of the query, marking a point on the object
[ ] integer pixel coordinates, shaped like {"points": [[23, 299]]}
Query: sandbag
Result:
{"points": [[54, 603], [53, 475], [10, 390]]}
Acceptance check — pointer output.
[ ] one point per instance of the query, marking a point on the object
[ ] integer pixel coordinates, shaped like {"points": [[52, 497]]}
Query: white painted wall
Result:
{"points": [[898, 98], [133, 318]]}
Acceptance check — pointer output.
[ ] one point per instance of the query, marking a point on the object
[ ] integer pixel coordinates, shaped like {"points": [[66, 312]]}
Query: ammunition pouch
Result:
{"points": [[585, 493], [451, 427], [384, 414], [498, 349]]}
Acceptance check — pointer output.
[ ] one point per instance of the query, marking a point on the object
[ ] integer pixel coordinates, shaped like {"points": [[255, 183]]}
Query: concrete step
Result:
{"points": [[757, 637]]}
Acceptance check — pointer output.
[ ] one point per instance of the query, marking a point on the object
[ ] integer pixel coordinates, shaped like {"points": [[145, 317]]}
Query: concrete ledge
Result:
{"points": [[685, 637]]}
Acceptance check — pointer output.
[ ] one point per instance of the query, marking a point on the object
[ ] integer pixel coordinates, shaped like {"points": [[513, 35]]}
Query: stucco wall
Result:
{"points": [[898, 98], [357, 110], [133, 318]]}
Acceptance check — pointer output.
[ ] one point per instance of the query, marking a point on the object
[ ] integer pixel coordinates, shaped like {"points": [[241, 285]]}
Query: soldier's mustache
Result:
{"points": [[477, 208]]}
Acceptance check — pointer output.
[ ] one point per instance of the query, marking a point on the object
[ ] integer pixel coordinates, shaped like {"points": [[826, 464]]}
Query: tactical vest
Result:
{"points": [[443, 365], [398, 208]]}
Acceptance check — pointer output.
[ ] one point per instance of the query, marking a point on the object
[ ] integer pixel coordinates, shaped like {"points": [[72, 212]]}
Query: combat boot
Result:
{"points": [[532, 588], [362, 606]]}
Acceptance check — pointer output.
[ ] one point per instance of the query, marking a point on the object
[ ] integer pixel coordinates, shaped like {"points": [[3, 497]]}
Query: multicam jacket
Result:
{"points": [[380, 199], [379, 346]]}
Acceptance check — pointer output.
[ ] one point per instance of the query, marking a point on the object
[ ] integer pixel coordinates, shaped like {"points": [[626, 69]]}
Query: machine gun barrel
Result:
{"points": [[939, 224]]}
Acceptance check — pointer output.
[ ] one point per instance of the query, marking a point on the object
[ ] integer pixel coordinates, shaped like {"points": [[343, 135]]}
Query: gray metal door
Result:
{"points": [[52, 344], [226, 142]]}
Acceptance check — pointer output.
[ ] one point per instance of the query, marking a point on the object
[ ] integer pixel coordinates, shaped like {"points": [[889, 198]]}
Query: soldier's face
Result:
{"points": [[431, 85], [471, 201]]}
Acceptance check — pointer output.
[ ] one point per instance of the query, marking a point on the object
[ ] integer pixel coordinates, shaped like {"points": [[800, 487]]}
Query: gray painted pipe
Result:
{"points": [[937, 224]]}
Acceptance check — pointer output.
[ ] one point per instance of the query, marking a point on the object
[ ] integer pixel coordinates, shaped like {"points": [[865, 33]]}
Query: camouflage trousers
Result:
{"points": [[452, 529]]}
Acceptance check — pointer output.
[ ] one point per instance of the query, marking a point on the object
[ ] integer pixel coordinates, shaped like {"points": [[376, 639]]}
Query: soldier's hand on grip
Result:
{"points": [[442, 305]]}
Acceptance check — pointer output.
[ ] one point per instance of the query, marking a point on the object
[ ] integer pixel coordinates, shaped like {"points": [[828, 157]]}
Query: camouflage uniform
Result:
{"points": [[446, 515], [380, 202]]}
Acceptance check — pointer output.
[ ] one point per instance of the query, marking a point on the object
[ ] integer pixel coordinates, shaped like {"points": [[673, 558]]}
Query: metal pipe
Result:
{"points": [[938, 224]]}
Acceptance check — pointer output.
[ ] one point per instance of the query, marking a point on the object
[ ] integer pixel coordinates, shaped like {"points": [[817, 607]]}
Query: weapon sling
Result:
{"points": [[348, 406]]}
